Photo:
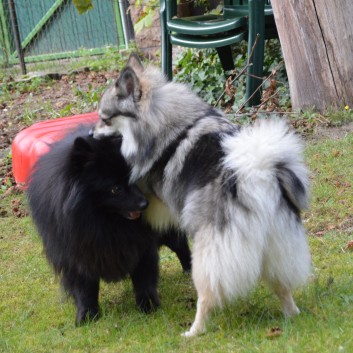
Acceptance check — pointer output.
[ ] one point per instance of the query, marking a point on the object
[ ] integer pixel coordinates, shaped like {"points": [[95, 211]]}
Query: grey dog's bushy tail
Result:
{"points": [[269, 147], [292, 187]]}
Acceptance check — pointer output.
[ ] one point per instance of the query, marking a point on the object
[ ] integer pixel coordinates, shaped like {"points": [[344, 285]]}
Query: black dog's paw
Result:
{"points": [[148, 301], [86, 315]]}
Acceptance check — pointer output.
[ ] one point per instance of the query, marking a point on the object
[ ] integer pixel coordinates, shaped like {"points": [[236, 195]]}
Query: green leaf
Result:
{"points": [[83, 6], [149, 19], [139, 25], [145, 21]]}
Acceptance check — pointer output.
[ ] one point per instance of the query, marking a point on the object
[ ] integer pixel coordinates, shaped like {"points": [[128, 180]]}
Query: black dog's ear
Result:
{"points": [[82, 152], [82, 145], [135, 63], [128, 84]]}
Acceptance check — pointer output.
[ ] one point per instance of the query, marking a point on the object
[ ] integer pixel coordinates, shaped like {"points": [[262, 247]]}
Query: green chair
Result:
{"points": [[240, 20]]}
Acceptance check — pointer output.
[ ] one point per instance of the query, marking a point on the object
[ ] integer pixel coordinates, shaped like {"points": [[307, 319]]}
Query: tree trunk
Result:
{"points": [[317, 43]]}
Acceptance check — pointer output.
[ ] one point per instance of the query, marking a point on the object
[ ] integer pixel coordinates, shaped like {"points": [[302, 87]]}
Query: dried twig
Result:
{"points": [[249, 63], [270, 97], [274, 71]]}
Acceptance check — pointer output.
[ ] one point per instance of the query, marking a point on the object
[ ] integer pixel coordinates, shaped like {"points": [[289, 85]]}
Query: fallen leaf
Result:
{"points": [[274, 332], [336, 153], [349, 245]]}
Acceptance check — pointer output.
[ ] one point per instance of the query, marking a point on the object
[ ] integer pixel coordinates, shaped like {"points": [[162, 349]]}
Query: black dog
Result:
{"points": [[88, 217]]}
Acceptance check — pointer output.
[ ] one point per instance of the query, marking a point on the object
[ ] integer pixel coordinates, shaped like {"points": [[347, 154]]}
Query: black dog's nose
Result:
{"points": [[90, 133], [143, 204]]}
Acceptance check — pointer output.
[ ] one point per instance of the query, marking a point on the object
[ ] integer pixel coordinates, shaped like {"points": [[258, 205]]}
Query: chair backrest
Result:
{"points": [[242, 2], [235, 2], [171, 5]]}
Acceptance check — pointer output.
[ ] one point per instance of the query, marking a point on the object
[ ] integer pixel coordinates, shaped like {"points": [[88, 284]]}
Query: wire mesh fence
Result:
{"points": [[53, 29]]}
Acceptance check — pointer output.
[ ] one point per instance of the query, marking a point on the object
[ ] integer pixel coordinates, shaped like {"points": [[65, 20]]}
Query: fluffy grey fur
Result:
{"points": [[237, 191]]}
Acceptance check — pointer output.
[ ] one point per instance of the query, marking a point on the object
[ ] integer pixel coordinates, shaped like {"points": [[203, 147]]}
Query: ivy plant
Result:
{"points": [[202, 70]]}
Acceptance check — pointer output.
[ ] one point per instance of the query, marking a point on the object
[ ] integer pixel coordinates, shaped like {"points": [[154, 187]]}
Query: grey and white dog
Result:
{"points": [[237, 191]]}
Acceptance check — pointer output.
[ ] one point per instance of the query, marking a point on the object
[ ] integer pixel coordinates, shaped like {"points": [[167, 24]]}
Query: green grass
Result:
{"points": [[332, 201], [36, 317]]}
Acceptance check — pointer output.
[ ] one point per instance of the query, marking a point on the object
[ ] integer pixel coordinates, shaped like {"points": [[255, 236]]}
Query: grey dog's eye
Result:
{"points": [[115, 190], [107, 122]]}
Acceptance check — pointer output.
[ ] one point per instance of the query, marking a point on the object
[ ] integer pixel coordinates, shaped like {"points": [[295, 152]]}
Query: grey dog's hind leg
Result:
{"points": [[285, 296], [204, 305]]}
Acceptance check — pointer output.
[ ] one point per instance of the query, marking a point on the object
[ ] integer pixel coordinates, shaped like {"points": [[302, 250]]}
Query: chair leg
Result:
{"points": [[166, 46], [256, 27], [167, 63], [226, 57], [169, 59]]}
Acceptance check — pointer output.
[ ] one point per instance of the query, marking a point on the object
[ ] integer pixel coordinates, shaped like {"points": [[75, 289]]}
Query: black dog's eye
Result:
{"points": [[115, 190]]}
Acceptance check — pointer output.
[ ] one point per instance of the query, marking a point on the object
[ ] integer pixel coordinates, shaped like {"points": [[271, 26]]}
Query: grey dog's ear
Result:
{"points": [[128, 84], [135, 63]]}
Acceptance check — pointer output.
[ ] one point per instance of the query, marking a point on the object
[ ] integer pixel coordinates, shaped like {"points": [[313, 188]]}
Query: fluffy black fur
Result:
{"points": [[82, 205]]}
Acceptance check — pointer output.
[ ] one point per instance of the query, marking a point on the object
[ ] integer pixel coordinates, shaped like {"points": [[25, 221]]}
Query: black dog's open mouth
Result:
{"points": [[132, 215]]}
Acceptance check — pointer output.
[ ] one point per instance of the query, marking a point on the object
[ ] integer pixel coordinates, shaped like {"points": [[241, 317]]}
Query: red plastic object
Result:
{"points": [[34, 141]]}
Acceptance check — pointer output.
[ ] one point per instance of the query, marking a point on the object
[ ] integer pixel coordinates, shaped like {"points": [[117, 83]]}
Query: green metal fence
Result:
{"points": [[53, 29]]}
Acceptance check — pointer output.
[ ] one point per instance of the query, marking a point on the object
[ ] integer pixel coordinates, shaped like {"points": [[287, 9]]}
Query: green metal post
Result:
{"points": [[17, 36], [118, 21], [5, 33]]}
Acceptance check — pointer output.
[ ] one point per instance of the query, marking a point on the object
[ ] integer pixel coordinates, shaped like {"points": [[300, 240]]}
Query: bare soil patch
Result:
{"points": [[332, 132]]}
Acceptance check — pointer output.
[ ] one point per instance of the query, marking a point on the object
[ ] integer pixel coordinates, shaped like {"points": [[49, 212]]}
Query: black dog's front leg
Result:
{"points": [[144, 279], [85, 292], [177, 241]]}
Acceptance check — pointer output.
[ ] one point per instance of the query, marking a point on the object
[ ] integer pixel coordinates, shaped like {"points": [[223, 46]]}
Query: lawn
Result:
{"points": [[35, 315]]}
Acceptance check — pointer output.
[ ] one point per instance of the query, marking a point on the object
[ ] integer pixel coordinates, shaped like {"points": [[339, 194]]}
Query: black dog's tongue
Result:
{"points": [[133, 215]]}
